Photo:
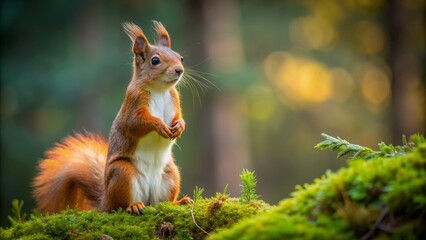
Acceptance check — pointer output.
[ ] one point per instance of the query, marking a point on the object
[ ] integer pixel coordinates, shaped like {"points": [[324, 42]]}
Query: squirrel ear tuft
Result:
{"points": [[140, 42], [163, 35]]}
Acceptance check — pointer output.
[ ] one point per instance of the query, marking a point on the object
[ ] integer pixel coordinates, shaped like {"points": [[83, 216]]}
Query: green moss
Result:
{"points": [[163, 221], [382, 198]]}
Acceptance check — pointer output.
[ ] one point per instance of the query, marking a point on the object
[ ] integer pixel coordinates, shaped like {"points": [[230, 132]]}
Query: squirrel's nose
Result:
{"points": [[179, 71]]}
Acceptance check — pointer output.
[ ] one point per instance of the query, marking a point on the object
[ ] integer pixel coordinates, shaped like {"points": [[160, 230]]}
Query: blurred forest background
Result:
{"points": [[284, 72]]}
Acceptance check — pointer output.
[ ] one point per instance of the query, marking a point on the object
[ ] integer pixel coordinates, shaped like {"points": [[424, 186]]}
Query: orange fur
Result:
{"points": [[163, 35], [85, 172], [71, 174], [118, 176], [133, 31]]}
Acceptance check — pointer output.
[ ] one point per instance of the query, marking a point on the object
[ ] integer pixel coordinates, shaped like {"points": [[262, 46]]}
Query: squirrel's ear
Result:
{"points": [[140, 46], [163, 35], [140, 42]]}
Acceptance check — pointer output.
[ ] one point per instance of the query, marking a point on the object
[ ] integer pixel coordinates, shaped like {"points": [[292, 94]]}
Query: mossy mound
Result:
{"points": [[383, 197], [162, 221], [380, 198]]}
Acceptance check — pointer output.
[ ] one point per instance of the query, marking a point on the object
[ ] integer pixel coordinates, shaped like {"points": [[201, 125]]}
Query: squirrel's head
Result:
{"points": [[157, 66]]}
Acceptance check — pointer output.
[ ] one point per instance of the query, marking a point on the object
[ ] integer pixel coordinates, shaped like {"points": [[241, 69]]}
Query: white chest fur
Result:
{"points": [[153, 153]]}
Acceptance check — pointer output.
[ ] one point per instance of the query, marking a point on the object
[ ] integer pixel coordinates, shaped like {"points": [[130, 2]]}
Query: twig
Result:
{"points": [[370, 233], [195, 222]]}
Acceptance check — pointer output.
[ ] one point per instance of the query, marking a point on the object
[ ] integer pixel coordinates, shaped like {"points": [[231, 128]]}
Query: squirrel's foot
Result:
{"points": [[182, 201], [136, 208]]}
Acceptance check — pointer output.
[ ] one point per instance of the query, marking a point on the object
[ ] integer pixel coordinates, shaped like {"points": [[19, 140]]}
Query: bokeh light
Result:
{"points": [[300, 80], [369, 37], [312, 33], [375, 85]]}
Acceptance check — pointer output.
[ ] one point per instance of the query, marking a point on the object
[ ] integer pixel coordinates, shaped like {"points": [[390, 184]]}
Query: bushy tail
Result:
{"points": [[72, 174]]}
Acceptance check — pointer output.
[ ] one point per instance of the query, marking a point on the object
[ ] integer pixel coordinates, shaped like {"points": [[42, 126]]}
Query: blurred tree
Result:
{"points": [[407, 39], [229, 124]]}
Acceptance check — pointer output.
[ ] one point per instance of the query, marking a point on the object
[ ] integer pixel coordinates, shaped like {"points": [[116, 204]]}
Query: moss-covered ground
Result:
{"points": [[383, 197], [162, 221], [380, 198]]}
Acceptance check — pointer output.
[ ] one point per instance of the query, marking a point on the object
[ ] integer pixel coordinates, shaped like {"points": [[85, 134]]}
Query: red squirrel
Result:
{"points": [[136, 166]]}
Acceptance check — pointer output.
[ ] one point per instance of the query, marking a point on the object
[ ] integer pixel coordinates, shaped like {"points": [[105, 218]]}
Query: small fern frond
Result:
{"points": [[344, 148]]}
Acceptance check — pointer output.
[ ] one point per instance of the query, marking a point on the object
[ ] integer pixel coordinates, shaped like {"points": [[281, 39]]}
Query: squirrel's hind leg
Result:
{"points": [[118, 189], [184, 200], [172, 172]]}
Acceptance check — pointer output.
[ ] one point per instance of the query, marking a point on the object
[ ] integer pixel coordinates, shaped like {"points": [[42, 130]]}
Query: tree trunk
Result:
{"points": [[408, 100]]}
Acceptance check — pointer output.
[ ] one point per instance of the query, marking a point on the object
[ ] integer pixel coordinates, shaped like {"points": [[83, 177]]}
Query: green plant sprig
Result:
{"points": [[18, 215], [345, 148], [197, 193], [248, 186]]}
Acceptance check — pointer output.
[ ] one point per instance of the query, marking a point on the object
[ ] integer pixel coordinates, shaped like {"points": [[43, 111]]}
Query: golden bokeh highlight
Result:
{"points": [[331, 11], [313, 83], [298, 80], [312, 33], [370, 37], [375, 85]]}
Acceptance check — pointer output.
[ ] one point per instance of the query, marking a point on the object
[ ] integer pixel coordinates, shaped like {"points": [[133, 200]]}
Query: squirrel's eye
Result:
{"points": [[181, 59], [155, 60]]}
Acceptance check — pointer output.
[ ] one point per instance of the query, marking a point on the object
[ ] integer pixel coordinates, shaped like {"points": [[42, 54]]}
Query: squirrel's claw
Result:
{"points": [[165, 132], [136, 208], [177, 128]]}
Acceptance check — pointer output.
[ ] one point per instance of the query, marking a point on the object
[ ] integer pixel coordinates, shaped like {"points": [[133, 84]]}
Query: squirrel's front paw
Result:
{"points": [[164, 131], [177, 128], [136, 208]]}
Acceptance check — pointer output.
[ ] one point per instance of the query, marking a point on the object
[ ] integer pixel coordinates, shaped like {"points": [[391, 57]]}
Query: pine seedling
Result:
{"points": [[18, 216], [197, 193], [248, 185]]}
